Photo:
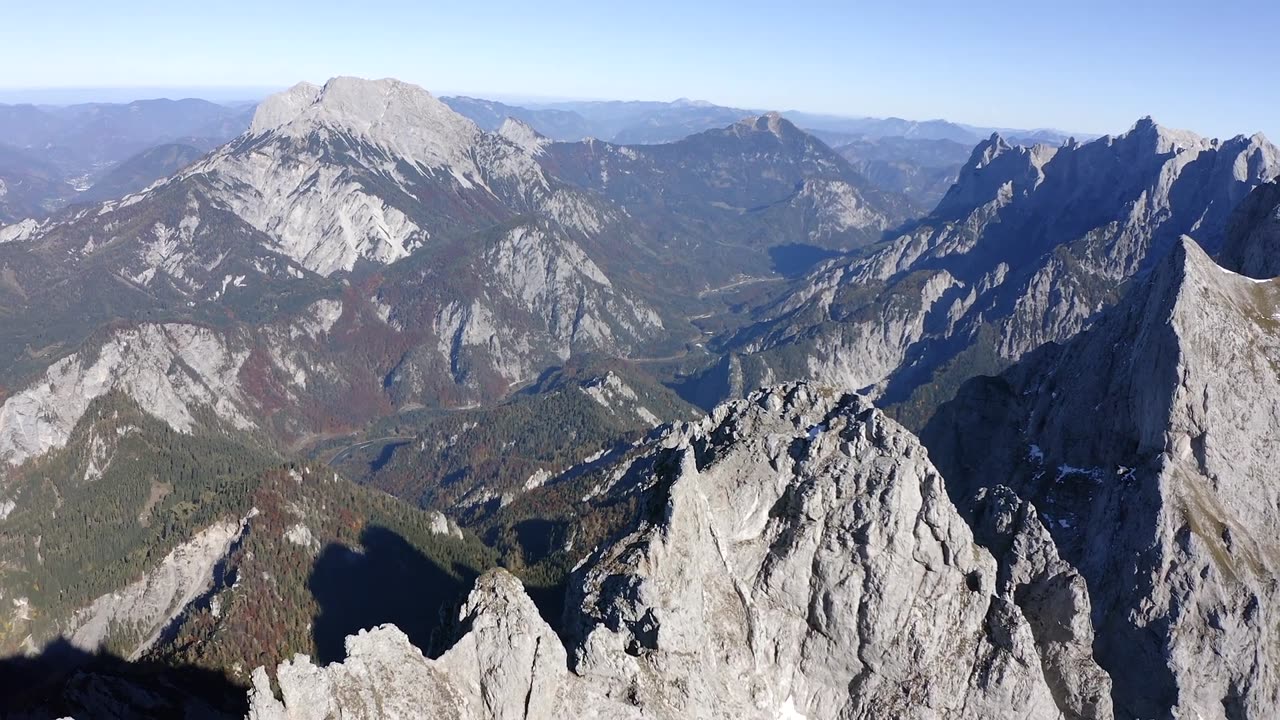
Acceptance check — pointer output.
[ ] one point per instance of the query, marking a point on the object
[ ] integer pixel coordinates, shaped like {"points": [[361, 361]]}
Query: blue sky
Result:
{"points": [[1077, 65]]}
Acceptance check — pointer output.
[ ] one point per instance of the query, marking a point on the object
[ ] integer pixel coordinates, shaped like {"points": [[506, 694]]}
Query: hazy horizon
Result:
{"points": [[1090, 67], [233, 95]]}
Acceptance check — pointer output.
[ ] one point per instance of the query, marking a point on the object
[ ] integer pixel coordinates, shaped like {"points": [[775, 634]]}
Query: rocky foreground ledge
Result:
{"points": [[800, 559]]}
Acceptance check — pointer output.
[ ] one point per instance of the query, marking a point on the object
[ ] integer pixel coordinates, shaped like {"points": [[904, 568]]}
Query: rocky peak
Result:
{"points": [[372, 170], [523, 135], [1157, 139], [794, 555], [281, 108], [402, 118], [815, 535], [510, 664], [772, 123], [996, 172], [984, 152], [1030, 245]]}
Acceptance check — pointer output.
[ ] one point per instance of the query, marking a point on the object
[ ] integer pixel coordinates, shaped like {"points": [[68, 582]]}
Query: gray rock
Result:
{"points": [[796, 555], [1051, 594], [842, 583], [1149, 446]]}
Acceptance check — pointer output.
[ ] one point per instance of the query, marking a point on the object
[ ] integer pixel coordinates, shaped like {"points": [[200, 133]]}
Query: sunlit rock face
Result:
{"points": [[797, 556]]}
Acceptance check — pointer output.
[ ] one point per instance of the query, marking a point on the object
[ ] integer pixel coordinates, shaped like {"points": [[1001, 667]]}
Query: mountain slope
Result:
{"points": [[139, 171], [1148, 445], [1025, 249], [514, 270], [922, 170], [367, 170], [735, 199], [30, 187], [490, 115]]}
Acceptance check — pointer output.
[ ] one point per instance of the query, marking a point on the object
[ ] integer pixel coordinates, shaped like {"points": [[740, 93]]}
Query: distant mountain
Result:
{"points": [[886, 127], [761, 185], [1026, 248], [30, 186], [74, 146], [141, 170], [489, 115], [649, 122], [921, 170], [81, 137], [652, 122]]}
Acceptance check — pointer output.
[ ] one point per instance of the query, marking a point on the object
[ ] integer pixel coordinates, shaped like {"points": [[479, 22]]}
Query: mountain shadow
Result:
{"points": [[387, 580], [66, 681]]}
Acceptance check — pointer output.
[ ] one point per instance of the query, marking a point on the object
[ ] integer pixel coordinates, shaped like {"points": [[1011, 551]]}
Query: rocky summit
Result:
{"points": [[796, 555]]}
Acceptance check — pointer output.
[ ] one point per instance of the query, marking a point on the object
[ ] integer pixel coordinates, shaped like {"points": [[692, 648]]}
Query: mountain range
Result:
{"points": [[392, 403], [52, 156]]}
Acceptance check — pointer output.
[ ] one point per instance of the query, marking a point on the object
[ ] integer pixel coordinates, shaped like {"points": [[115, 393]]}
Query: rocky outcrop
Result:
{"points": [[172, 370], [800, 543], [1148, 446], [190, 376], [795, 555], [1051, 594], [143, 608], [510, 664]]}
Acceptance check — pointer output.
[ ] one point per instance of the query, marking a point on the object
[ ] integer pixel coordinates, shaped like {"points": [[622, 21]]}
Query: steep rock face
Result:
{"points": [[1148, 445], [1253, 237], [800, 542], [1033, 243], [520, 133], [270, 380], [1052, 595], [146, 606], [795, 555], [170, 369]]}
